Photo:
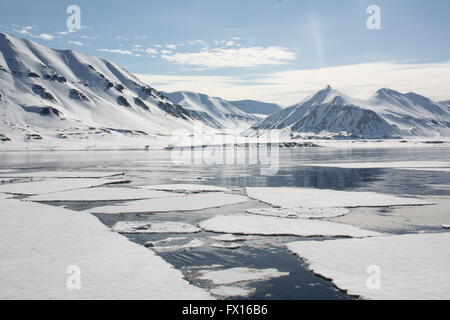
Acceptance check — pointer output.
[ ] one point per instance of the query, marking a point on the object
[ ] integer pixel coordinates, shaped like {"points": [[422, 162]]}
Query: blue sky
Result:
{"points": [[242, 49]]}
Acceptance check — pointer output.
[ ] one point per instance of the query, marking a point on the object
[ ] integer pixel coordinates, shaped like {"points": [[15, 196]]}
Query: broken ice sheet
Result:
{"points": [[63, 174], [271, 226], [230, 246], [227, 292], [236, 275], [446, 226], [102, 194], [193, 244], [230, 238], [140, 227], [53, 185], [322, 198], [405, 165], [185, 203], [411, 267], [300, 213], [186, 188]]}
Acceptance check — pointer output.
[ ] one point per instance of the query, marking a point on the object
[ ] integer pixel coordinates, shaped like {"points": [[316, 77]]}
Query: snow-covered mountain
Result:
{"points": [[445, 104], [60, 95], [216, 112], [385, 114], [256, 107]]}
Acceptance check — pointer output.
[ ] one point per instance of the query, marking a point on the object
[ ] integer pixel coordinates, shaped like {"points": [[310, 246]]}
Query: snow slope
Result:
{"points": [[384, 114], [216, 112], [38, 243], [66, 96]]}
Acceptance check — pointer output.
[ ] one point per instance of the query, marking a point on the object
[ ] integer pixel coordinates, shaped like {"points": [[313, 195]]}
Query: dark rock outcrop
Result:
{"points": [[78, 95], [41, 91], [140, 103], [123, 101]]}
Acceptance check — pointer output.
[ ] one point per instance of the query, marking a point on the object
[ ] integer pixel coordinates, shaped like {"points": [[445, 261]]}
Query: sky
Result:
{"points": [[270, 50]]}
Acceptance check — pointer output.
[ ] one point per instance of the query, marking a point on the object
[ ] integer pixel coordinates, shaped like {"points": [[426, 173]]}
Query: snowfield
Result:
{"points": [[321, 198], [270, 226], [186, 188], [66, 174], [185, 203], [38, 244], [411, 267]]}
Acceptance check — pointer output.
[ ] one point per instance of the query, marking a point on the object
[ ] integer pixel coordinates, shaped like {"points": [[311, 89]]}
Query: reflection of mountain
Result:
{"points": [[385, 114]]}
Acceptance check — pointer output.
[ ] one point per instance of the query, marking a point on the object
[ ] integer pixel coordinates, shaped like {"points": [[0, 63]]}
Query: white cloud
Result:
{"points": [[45, 36], [290, 87], [151, 51], [76, 43], [171, 46], [166, 52], [242, 57], [119, 51], [24, 30]]}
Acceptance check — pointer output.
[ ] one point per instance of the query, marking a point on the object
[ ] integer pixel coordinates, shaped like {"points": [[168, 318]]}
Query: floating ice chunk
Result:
{"points": [[300, 213], [227, 292], [229, 238], [193, 244], [186, 203], [144, 227], [167, 240], [259, 225], [405, 165], [55, 185], [186, 188], [63, 174], [446, 226], [236, 275], [320, 198], [102, 194], [407, 267], [38, 243], [230, 246]]}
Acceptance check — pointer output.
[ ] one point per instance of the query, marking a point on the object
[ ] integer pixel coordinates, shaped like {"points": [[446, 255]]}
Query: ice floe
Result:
{"points": [[446, 226], [383, 165], [42, 247], [193, 244], [62, 174], [151, 244], [321, 198], [260, 225], [186, 203], [186, 188], [227, 292], [144, 227], [236, 275], [102, 194], [300, 213], [230, 246], [410, 267], [229, 238], [53, 185]]}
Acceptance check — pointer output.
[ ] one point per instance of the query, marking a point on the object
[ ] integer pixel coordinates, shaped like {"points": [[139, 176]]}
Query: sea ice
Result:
{"points": [[236, 275], [411, 267], [259, 225], [186, 188], [63, 174], [193, 244], [186, 203], [227, 292], [321, 198], [102, 194], [300, 213], [230, 246], [229, 238], [405, 165], [143, 227], [54, 185], [43, 248], [446, 226]]}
